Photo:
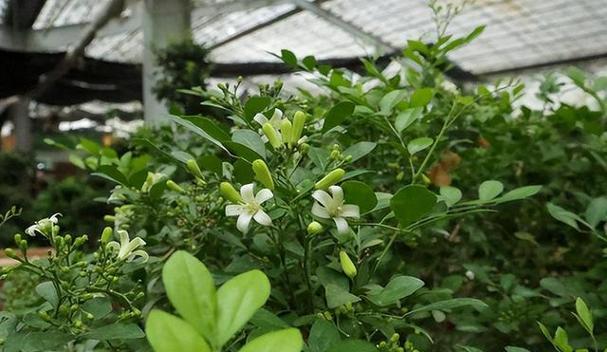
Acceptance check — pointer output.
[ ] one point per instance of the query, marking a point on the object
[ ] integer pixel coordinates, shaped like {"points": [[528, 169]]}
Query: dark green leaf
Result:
{"points": [[411, 203], [337, 115]]}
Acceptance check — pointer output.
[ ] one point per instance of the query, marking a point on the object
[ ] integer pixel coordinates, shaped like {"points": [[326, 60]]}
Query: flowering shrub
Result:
{"points": [[386, 213]]}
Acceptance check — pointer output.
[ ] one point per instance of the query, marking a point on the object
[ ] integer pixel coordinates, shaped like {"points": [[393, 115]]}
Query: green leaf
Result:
{"points": [[191, 290], [359, 150], [209, 126], [237, 300], [411, 203], [519, 193], [351, 345], [255, 105], [359, 193], [251, 140], [243, 151], [99, 307], [287, 340], [450, 195], [488, 190], [564, 216], [405, 118], [337, 115], [516, 349], [596, 211], [397, 289], [196, 130], [419, 144], [89, 146], [338, 296], [47, 291], [323, 336], [390, 100], [112, 173], [167, 333], [267, 320], [449, 304], [421, 97], [288, 57], [77, 161], [116, 331], [584, 315]]}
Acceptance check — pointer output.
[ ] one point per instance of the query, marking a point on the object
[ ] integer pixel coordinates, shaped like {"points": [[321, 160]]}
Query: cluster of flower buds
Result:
{"points": [[391, 345], [281, 132], [345, 309]]}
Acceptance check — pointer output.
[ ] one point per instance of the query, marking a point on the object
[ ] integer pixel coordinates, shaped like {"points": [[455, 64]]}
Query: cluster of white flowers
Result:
{"points": [[326, 206]]}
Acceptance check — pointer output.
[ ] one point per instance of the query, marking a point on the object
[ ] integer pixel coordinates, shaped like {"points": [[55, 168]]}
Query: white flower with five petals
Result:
{"points": [[250, 208], [128, 249], [331, 206], [43, 226]]}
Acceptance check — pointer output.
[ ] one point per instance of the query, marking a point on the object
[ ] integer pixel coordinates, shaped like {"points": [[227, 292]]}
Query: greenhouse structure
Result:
{"points": [[303, 175]]}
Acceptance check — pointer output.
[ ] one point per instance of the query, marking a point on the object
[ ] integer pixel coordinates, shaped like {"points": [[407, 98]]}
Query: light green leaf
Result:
{"points": [[596, 211], [449, 304], [397, 289], [116, 331], [450, 195], [47, 291], [488, 190], [287, 340], [191, 290], [359, 150], [421, 97], [167, 333], [337, 115], [419, 144], [405, 118], [251, 140], [237, 300], [390, 100], [519, 193], [564, 216], [411, 203], [584, 315], [359, 193]]}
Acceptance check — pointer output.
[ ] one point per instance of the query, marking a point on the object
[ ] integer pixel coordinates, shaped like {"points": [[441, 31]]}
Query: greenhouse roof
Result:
{"points": [[519, 34]]}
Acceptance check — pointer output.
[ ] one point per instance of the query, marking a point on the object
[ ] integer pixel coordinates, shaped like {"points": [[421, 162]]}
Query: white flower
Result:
{"points": [[127, 249], [151, 180], [43, 226], [470, 275], [275, 120], [250, 208], [333, 207]]}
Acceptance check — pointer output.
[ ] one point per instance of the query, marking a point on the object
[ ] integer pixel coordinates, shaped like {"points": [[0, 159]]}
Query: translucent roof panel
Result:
{"points": [[519, 33]]}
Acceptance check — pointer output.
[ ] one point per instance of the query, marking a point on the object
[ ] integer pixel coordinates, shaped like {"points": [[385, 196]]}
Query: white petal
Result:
{"points": [[55, 218], [260, 118], [263, 196], [342, 225], [323, 198], [320, 211], [338, 194], [31, 230], [350, 211], [246, 192], [124, 238], [113, 246], [276, 118], [234, 210], [242, 224], [143, 256], [262, 218]]}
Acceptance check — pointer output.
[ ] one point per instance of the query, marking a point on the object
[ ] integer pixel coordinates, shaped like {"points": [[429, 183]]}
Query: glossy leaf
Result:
{"points": [[287, 340], [359, 150], [167, 333], [421, 97], [359, 193], [405, 118], [411, 203], [488, 190], [397, 289], [337, 115], [450, 195], [419, 144], [255, 105]]}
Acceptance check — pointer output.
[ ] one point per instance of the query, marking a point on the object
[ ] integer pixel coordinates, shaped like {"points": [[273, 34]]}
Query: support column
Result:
{"points": [[19, 114], [164, 22]]}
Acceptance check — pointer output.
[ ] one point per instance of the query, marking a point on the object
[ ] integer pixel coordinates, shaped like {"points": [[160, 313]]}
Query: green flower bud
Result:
{"points": [[174, 186], [314, 228], [426, 179], [228, 192], [9, 252], [149, 182], [286, 129], [193, 168], [347, 266], [68, 239], [23, 245], [17, 239], [335, 154], [332, 178], [107, 234], [109, 218], [299, 121], [262, 173], [273, 137], [304, 148]]}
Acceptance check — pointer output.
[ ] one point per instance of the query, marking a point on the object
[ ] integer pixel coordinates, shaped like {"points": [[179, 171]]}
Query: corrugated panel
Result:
{"points": [[64, 12]]}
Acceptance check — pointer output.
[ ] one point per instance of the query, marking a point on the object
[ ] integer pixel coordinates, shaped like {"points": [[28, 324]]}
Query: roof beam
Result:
{"points": [[348, 27]]}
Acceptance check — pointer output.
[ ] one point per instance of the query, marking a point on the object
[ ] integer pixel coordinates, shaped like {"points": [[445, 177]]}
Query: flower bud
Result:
{"points": [[109, 218], [107, 234], [149, 182], [346, 265], [314, 228], [286, 129], [9, 252], [273, 137], [23, 245], [299, 121], [174, 186], [332, 178], [304, 148], [262, 173], [228, 192], [17, 238], [193, 168], [426, 179]]}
